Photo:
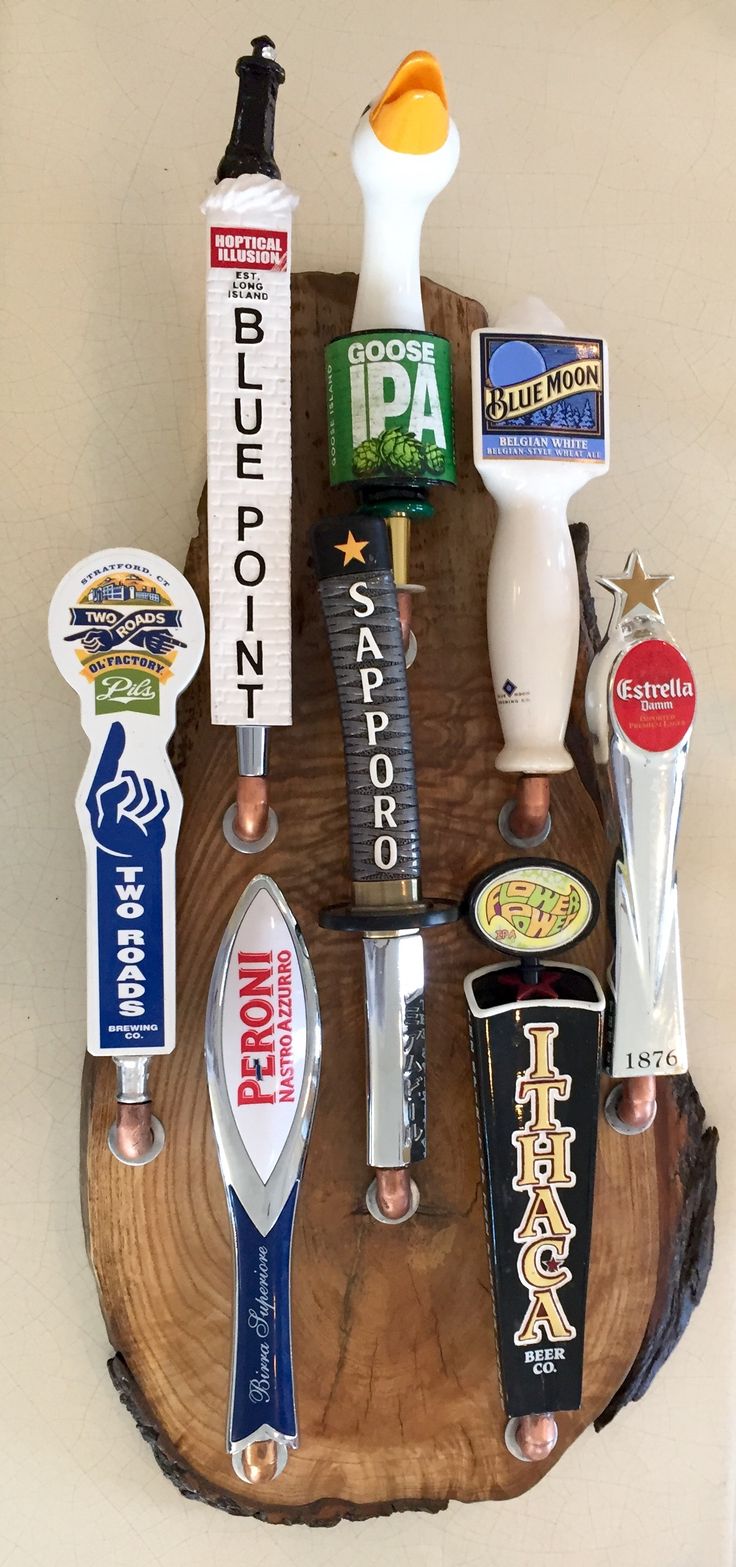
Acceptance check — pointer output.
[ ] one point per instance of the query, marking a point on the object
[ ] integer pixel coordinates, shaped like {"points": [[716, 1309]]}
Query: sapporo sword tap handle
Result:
{"points": [[353, 563]]}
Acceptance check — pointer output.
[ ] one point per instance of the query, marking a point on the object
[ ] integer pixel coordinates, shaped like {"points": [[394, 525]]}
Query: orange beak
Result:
{"points": [[411, 114]]}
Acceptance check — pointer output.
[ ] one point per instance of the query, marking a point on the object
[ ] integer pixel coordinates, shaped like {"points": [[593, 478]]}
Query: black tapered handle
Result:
{"points": [[250, 148], [353, 563]]}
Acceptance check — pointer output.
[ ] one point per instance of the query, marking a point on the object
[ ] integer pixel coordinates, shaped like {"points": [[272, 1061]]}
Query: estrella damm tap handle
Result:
{"points": [[353, 564]]}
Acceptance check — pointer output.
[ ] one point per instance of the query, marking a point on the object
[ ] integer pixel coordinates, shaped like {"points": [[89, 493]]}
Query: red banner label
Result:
{"points": [[654, 695], [254, 250]]}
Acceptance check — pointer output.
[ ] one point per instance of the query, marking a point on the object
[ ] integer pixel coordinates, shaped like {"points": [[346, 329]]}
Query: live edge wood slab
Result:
{"points": [[398, 1396]]}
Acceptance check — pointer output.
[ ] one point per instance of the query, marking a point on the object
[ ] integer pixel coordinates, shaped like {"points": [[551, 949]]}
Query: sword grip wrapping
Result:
{"points": [[358, 594]]}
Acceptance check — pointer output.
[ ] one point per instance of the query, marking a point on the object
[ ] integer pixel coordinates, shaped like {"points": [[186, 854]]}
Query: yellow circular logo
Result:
{"points": [[533, 908]]}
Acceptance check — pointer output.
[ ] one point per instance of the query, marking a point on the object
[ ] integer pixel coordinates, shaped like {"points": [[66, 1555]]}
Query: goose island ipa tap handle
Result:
{"points": [[249, 214], [389, 381], [540, 423], [640, 705], [358, 594]]}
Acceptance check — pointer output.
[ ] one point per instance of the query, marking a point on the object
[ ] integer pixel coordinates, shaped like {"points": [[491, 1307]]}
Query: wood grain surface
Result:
{"points": [[398, 1396]]}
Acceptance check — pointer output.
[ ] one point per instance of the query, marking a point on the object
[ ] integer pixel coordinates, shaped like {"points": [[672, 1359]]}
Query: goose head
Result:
{"points": [[406, 146]]}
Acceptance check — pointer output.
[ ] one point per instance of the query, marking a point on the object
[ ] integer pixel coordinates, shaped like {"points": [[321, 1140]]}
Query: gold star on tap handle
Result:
{"points": [[635, 590], [352, 549]]}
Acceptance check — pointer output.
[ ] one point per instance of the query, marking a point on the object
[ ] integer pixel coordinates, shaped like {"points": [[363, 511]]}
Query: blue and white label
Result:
{"points": [[127, 633], [262, 1391], [262, 1050], [128, 819], [542, 397]]}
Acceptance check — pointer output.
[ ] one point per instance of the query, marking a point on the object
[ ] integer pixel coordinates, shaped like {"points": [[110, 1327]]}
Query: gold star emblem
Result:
{"points": [[635, 590], [352, 549]]}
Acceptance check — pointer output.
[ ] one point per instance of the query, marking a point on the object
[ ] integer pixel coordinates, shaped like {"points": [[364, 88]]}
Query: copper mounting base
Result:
{"points": [[259, 1462], [249, 845], [532, 1437], [392, 1197], [524, 821], [631, 1106], [136, 1137], [251, 808]]}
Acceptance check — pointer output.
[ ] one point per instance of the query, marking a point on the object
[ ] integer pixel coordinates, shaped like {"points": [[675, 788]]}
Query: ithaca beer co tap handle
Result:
{"points": [[640, 705], [248, 216], [389, 382], [358, 594], [540, 432], [262, 1052], [536, 1032], [127, 633]]}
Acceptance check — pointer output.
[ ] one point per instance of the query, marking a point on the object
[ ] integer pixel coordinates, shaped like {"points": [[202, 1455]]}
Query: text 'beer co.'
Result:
{"points": [[536, 1031]]}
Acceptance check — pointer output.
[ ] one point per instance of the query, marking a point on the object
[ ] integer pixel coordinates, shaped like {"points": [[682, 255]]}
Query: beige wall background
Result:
{"points": [[597, 170]]}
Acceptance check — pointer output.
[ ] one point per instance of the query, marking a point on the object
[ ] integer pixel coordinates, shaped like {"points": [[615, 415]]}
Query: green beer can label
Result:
{"points": [[389, 409]]}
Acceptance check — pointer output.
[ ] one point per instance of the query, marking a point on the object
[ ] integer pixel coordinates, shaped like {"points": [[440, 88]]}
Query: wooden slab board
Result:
{"points": [[398, 1397]]}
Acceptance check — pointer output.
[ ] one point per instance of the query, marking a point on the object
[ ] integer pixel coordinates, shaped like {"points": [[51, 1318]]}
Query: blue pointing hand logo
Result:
{"points": [[127, 812]]}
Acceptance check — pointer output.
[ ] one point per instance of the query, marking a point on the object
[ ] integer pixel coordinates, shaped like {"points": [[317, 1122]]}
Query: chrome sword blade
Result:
{"points": [[262, 1050], [397, 1090]]}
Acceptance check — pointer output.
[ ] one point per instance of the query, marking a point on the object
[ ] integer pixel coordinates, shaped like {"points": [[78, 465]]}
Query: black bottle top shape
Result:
{"points": [[250, 148]]}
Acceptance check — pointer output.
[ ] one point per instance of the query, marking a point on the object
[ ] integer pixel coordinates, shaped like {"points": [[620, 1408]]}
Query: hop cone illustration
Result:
{"points": [[434, 458], [366, 458], [401, 452]]}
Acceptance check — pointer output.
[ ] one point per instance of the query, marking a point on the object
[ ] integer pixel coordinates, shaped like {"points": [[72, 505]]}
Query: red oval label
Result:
{"points": [[653, 695]]}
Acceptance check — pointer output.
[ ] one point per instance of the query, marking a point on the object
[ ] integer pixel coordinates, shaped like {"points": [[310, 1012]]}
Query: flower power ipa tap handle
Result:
{"points": [[262, 1053], [127, 633], [540, 432], [640, 705], [389, 382], [249, 213]]}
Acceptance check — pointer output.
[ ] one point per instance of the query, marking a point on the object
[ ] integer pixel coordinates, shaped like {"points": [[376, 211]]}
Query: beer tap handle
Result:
{"points": [[640, 703], [127, 633], [262, 1077], [358, 593]]}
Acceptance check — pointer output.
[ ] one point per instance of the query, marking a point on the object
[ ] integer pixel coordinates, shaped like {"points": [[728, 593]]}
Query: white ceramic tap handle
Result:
{"points": [[539, 434], [533, 620]]}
